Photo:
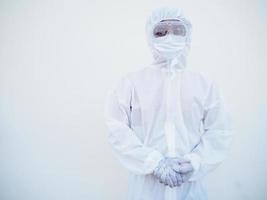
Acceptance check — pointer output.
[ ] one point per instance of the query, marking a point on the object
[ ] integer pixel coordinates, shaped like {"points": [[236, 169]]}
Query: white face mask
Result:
{"points": [[170, 46]]}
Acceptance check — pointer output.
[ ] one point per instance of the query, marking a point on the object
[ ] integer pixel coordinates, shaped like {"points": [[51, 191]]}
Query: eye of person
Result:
{"points": [[159, 34]]}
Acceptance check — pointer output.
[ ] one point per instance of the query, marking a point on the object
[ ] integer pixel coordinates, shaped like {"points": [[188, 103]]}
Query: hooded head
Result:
{"points": [[180, 47]]}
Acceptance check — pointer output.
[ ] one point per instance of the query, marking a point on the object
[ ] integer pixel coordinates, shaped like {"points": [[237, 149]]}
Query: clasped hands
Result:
{"points": [[173, 171]]}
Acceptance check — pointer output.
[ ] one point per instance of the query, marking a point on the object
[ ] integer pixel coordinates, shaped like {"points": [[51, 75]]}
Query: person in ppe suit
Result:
{"points": [[167, 125]]}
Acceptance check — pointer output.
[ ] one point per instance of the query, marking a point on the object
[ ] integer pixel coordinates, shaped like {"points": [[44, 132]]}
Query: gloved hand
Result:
{"points": [[166, 174], [166, 171], [186, 170]]}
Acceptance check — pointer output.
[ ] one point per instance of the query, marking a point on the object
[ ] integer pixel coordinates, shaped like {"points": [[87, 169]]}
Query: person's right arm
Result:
{"points": [[128, 148]]}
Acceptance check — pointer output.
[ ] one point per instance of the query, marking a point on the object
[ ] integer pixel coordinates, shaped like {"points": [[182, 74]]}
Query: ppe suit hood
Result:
{"points": [[167, 13]]}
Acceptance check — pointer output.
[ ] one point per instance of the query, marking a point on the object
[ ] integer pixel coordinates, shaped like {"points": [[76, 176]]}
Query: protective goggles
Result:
{"points": [[166, 26]]}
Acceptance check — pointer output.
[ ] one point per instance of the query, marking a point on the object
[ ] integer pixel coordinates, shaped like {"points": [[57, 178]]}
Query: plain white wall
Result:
{"points": [[59, 58]]}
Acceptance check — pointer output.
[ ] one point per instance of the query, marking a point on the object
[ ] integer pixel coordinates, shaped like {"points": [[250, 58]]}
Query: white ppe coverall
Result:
{"points": [[166, 109]]}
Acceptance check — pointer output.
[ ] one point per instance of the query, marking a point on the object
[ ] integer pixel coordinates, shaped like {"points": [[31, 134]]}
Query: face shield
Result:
{"points": [[168, 34], [169, 26], [169, 38]]}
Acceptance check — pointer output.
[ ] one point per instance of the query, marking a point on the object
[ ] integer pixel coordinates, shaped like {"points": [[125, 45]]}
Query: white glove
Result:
{"points": [[168, 171], [186, 170]]}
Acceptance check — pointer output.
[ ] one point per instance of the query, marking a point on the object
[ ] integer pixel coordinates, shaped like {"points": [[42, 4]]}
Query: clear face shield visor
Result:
{"points": [[167, 26]]}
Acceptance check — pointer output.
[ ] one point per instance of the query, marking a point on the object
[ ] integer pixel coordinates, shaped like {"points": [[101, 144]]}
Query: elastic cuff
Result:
{"points": [[195, 161], [152, 161]]}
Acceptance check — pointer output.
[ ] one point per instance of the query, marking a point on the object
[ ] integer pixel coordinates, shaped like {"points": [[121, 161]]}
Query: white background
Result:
{"points": [[59, 58]]}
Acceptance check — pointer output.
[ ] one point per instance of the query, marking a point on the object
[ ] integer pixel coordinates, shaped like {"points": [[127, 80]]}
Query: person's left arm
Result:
{"points": [[214, 144]]}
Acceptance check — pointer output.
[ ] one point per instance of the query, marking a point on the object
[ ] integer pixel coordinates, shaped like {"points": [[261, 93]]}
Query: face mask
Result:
{"points": [[170, 46]]}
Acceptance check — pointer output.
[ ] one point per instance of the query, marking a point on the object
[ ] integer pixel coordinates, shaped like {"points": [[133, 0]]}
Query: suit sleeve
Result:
{"points": [[214, 144], [127, 147]]}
